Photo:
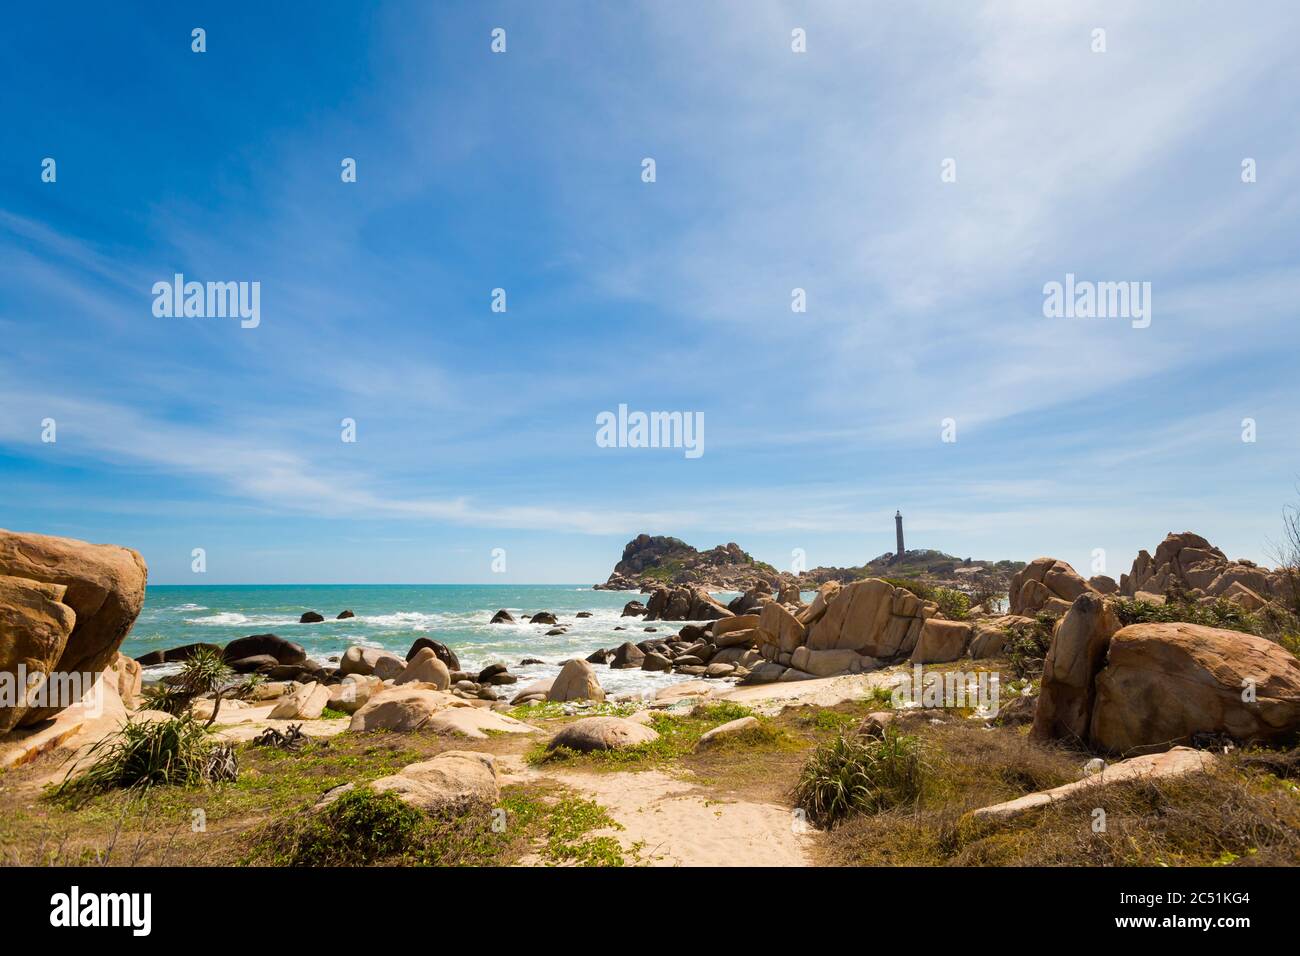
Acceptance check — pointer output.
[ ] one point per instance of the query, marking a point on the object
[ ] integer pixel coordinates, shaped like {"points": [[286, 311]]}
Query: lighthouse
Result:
{"points": [[898, 528]]}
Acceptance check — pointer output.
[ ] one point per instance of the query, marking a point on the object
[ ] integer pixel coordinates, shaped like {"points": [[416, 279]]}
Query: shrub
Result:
{"points": [[857, 774], [1026, 648], [359, 828], [144, 754]]}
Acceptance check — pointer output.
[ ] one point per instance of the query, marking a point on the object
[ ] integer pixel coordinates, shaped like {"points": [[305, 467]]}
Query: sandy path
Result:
{"points": [[667, 821]]}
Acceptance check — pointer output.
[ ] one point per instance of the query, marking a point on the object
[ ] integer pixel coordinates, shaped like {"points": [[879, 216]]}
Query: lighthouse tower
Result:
{"points": [[898, 528]]}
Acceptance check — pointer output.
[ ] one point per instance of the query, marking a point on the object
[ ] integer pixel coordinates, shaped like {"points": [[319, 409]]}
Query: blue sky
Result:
{"points": [[522, 170]]}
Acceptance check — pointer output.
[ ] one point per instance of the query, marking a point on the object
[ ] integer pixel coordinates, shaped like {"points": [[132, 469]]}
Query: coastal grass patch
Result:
{"points": [[1240, 813], [852, 773], [556, 710], [148, 753], [679, 734], [365, 828]]}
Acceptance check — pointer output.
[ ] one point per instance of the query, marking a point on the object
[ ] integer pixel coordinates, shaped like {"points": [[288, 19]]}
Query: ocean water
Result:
{"points": [[393, 616]]}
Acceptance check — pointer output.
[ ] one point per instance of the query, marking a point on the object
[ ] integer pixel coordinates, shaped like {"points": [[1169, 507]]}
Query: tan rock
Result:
{"points": [[306, 703], [399, 708], [1175, 763], [34, 629], [690, 688], [778, 626], [576, 681], [104, 588], [475, 722], [941, 641], [602, 733], [451, 780], [813, 613], [726, 625], [1076, 654], [352, 693], [720, 733], [1163, 683], [830, 662], [872, 617], [1042, 581], [371, 660], [426, 668], [537, 690], [990, 637]]}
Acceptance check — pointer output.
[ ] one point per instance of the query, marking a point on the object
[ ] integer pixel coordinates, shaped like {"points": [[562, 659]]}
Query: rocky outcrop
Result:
{"points": [[1188, 562], [1045, 584], [176, 655], [1164, 684], [872, 617], [1078, 651], [502, 617], [34, 629], [602, 733], [779, 631], [651, 561], [103, 589], [684, 604]]}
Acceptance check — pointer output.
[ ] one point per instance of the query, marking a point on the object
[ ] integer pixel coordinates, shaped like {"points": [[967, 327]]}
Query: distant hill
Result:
{"points": [[650, 561]]}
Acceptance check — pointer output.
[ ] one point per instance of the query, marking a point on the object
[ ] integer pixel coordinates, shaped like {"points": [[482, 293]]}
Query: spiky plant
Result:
{"points": [[859, 774], [205, 672], [146, 753]]}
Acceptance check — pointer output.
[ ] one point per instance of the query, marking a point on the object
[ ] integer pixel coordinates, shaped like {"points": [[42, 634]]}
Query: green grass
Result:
{"points": [[854, 774], [365, 828], [553, 710], [678, 736], [329, 713]]}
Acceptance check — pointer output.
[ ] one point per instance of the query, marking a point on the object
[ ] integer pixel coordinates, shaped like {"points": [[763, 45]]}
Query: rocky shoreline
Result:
{"points": [[1187, 652]]}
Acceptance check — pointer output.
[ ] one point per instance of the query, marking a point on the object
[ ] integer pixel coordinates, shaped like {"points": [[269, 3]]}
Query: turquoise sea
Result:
{"points": [[393, 616]]}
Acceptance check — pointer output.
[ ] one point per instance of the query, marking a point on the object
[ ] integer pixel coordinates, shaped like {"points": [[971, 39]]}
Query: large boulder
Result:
{"points": [[627, 656], [425, 668], [1046, 584], [828, 663], [104, 587], [1078, 651], [779, 631], [34, 628], [872, 617], [371, 660], [1164, 683], [576, 681], [450, 781], [255, 645], [813, 612], [176, 655], [305, 703], [444, 653], [399, 708], [352, 693], [941, 641], [602, 733]]}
